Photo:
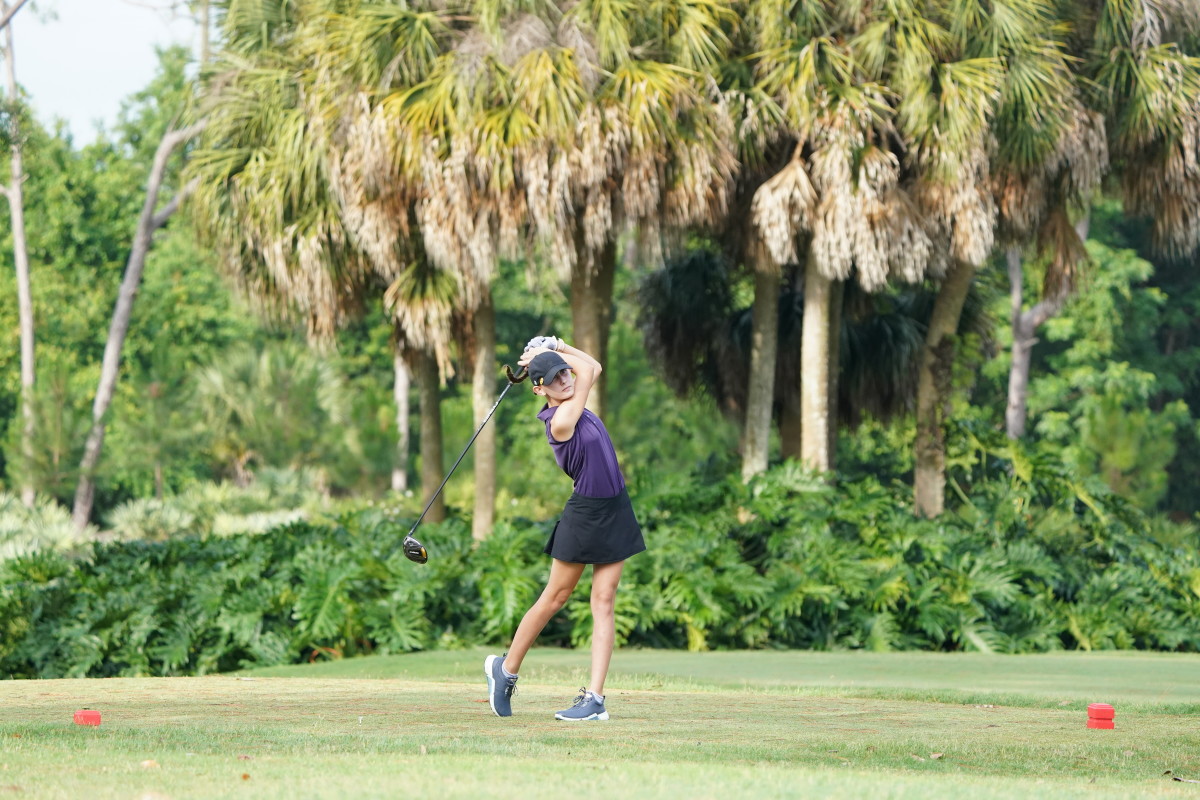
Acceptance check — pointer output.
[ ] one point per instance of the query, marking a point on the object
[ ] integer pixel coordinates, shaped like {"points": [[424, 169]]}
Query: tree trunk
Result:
{"points": [[1024, 333], [933, 390], [429, 387], [1022, 349], [815, 368], [16, 209], [591, 312], [400, 386], [6, 14], [835, 368], [205, 28], [764, 343], [483, 396], [148, 222]]}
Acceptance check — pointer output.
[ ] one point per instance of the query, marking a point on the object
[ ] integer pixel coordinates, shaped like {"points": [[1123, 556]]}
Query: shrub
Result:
{"points": [[46, 526], [150, 519], [1029, 560]]}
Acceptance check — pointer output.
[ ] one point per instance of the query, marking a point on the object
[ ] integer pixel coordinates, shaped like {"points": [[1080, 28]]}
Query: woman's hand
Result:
{"points": [[543, 341], [528, 355]]}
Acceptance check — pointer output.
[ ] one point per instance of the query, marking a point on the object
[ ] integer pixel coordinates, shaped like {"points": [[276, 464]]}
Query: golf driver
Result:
{"points": [[414, 550]]}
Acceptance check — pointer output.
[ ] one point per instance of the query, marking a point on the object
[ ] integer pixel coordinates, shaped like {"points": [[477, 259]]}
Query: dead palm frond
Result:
{"points": [[1149, 89], [422, 299]]}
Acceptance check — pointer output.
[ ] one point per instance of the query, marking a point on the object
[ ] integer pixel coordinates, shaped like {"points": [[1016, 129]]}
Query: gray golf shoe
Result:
{"points": [[586, 708], [500, 686]]}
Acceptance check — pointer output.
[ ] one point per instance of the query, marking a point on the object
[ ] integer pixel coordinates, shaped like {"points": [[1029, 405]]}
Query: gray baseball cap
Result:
{"points": [[545, 366]]}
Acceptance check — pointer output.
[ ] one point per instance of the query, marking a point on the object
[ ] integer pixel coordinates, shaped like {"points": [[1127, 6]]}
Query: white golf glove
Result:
{"points": [[549, 342]]}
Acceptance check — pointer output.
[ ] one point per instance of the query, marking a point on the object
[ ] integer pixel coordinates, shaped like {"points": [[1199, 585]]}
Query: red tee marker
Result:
{"points": [[1101, 715], [87, 717]]}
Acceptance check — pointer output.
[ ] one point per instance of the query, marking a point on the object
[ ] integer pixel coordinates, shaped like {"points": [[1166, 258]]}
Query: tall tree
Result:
{"points": [[1141, 90], [1144, 65], [15, 195], [874, 102], [1068, 254], [517, 134], [436, 130], [611, 129], [1047, 165], [389, 189], [287, 193], [1011, 132], [151, 219], [152, 124]]}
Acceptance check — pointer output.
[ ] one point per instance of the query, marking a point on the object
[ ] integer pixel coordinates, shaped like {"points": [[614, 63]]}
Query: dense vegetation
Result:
{"points": [[1035, 562]]}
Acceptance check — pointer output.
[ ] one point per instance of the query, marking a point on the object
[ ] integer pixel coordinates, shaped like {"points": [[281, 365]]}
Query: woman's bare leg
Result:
{"points": [[564, 575], [605, 578]]}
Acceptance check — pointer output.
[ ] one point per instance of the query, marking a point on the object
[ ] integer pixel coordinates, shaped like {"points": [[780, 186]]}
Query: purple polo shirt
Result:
{"points": [[587, 457]]}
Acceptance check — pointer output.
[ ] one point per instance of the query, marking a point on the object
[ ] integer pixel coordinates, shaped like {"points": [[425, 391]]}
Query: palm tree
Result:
{"points": [[627, 136], [422, 299], [1145, 66], [280, 195], [429, 142], [1026, 42], [518, 133], [1047, 163], [877, 107]]}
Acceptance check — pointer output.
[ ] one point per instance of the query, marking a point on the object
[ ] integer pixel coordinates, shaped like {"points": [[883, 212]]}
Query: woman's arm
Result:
{"points": [[564, 348], [587, 370]]}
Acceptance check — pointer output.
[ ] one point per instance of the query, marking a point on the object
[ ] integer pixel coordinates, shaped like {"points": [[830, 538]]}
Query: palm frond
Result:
{"points": [[1059, 241], [609, 23], [548, 88]]}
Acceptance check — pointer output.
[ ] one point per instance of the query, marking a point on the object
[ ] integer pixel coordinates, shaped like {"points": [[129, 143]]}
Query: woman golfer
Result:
{"points": [[597, 526]]}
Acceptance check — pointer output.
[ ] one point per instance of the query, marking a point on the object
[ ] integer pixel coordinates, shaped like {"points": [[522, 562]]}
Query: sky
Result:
{"points": [[78, 59]]}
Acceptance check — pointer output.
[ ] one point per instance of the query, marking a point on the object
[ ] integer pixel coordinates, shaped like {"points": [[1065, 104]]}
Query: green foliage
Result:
{"points": [[62, 426], [81, 208], [1031, 559], [1094, 397], [46, 526], [149, 520], [274, 406]]}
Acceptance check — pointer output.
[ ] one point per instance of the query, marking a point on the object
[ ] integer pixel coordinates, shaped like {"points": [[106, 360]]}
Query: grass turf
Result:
{"points": [[720, 725]]}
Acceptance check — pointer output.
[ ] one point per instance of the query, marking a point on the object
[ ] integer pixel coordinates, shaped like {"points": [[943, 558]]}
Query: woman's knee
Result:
{"points": [[603, 600], [555, 599]]}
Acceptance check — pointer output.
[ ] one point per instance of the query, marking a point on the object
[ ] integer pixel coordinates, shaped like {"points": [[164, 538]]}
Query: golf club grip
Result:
{"points": [[461, 455]]}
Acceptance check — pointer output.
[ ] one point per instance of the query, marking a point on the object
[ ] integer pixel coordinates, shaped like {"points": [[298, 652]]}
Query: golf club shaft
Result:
{"points": [[460, 457]]}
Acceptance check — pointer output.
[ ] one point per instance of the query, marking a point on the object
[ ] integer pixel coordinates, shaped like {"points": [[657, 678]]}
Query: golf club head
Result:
{"points": [[414, 550]]}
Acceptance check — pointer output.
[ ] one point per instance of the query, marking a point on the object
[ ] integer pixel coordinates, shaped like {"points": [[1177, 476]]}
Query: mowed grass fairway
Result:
{"points": [[685, 725]]}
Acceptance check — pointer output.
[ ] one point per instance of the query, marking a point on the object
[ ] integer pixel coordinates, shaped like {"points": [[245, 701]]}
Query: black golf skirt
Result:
{"points": [[596, 530]]}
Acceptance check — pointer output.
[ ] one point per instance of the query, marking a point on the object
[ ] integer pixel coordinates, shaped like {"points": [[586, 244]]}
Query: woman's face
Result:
{"points": [[561, 387]]}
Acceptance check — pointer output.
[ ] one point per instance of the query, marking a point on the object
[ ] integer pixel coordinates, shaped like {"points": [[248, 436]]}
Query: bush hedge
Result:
{"points": [[1030, 561]]}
